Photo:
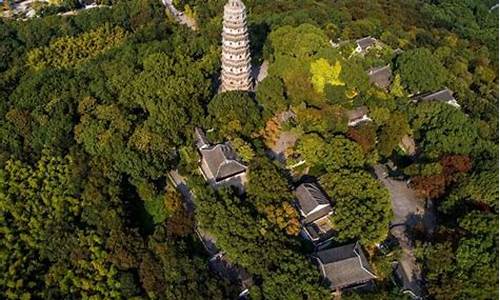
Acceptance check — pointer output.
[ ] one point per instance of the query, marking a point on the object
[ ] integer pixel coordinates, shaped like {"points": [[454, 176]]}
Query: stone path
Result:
{"points": [[180, 183], [179, 16], [287, 139], [408, 211]]}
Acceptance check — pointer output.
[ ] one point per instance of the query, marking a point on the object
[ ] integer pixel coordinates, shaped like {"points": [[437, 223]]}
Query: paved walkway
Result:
{"points": [[286, 140], [206, 238], [179, 16], [408, 211]]}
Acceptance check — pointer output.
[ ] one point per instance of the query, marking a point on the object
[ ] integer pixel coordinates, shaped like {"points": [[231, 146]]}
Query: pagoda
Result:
{"points": [[236, 66]]}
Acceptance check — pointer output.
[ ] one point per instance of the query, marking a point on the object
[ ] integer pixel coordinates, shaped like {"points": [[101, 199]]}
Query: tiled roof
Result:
{"points": [[221, 161], [442, 95], [201, 139], [311, 198], [381, 77], [344, 266], [356, 114], [366, 42]]}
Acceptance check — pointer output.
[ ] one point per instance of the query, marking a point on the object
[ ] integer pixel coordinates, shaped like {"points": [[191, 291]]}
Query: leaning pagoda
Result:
{"points": [[236, 66]]}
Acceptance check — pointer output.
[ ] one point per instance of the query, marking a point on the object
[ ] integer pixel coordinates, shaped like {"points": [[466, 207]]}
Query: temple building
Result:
{"points": [[236, 60]]}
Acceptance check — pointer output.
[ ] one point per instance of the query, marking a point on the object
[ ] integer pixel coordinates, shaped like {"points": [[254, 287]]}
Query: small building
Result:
{"points": [[445, 95], [315, 208], [365, 44], [357, 115], [345, 268], [219, 164], [381, 77]]}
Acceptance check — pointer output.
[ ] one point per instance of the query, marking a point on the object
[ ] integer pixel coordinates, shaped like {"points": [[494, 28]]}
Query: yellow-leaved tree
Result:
{"points": [[323, 73]]}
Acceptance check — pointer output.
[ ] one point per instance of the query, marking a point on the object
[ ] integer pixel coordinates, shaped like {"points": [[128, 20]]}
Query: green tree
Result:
{"points": [[234, 113], [420, 70], [271, 95], [442, 129], [362, 207], [392, 132]]}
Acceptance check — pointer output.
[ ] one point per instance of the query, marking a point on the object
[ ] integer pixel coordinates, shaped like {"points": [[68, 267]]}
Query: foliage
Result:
{"points": [[392, 132], [116, 92], [268, 189], [362, 208], [259, 247], [271, 95], [420, 70], [465, 270], [234, 113], [443, 129], [71, 51], [323, 73]]}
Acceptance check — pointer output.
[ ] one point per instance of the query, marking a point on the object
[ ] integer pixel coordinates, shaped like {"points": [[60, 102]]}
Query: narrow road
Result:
{"points": [[218, 262], [179, 16], [408, 211], [189, 200]]}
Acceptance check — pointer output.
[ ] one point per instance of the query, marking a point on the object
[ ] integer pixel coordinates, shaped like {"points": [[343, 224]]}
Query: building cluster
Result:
{"points": [[343, 268]]}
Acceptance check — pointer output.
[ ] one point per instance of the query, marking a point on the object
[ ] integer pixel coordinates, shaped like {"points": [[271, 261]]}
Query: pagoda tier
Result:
{"points": [[236, 66]]}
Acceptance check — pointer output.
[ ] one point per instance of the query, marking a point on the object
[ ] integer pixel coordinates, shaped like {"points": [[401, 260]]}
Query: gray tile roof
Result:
{"points": [[200, 138], [442, 95], [366, 42], [344, 266], [309, 197], [381, 76], [221, 161], [356, 114]]}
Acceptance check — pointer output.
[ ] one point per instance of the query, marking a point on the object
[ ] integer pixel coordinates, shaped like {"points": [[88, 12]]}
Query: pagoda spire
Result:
{"points": [[236, 60]]}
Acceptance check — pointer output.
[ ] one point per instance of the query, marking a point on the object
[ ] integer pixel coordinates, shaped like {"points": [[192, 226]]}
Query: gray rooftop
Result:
{"points": [[381, 76], [356, 114], [312, 200], [442, 95], [221, 160], [200, 138], [366, 42], [344, 266]]}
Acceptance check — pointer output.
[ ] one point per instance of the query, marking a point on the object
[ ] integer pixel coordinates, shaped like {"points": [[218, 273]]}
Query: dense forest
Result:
{"points": [[97, 107]]}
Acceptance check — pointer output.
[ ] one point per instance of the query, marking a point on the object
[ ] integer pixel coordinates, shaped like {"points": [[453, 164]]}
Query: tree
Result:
{"points": [[313, 149], [234, 113], [365, 135], [71, 51], [41, 206], [259, 247], [269, 190], [420, 71], [392, 132], [468, 270], [362, 208], [180, 221], [323, 73], [442, 129], [271, 95]]}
